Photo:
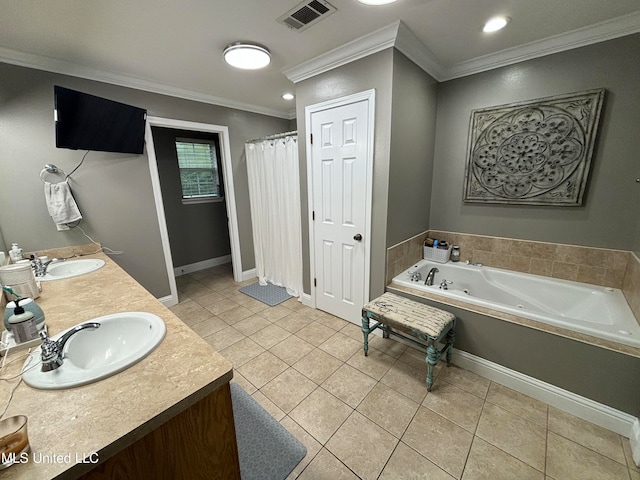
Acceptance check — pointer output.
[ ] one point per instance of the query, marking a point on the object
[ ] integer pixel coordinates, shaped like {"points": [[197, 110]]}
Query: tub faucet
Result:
{"points": [[52, 356], [430, 276], [416, 277], [444, 284]]}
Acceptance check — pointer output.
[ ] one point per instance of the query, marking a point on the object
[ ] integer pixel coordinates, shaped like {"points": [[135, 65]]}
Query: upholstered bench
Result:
{"points": [[396, 315]]}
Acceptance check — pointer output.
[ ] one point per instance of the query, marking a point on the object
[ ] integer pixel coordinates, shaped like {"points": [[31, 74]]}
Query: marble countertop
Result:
{"points": [[105, 417]]}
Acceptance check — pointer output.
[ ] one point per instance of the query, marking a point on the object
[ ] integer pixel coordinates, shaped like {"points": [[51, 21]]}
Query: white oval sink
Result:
{"points": [[72, 268], [122, 340]]}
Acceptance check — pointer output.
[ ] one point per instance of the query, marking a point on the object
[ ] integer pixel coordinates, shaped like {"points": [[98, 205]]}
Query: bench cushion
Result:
{"points": [[412, 315]]}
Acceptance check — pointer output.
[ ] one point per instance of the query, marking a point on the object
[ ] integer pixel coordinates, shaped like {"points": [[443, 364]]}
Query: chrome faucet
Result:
{"points": [[430, 276], [444, 284], [416, 277], [52, 356], [40, 267]]}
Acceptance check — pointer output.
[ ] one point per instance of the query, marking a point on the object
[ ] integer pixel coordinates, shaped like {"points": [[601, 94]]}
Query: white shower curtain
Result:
{"points": [[274, 191]]}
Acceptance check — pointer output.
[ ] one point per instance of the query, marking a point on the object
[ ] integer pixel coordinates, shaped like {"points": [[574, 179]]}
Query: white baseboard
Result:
{"points": [[195, 267], [577, 405], [248, 274], [168, 301], [306, 299], [634, 438]]}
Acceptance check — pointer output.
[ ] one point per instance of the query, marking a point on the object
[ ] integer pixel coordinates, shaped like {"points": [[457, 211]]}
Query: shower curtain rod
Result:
{"points": [[274, 137]]}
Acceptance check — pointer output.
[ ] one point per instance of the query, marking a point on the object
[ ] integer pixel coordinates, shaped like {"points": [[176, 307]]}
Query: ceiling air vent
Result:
{"points": [[306, 14]]}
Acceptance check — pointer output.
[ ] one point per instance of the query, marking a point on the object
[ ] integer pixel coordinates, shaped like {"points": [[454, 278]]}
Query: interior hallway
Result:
{"points": [[371, 417]]}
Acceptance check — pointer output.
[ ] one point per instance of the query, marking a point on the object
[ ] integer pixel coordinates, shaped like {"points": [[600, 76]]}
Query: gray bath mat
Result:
{"points": [[267, 451], [270, 294]]}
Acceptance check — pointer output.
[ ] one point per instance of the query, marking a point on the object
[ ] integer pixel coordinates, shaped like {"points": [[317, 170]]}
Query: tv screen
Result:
{"points": [[87, 122]]}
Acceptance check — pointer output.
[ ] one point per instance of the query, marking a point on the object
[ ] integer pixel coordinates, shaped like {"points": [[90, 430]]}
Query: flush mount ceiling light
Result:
{"points": [[496, 23], [249, 56], [288, 96], [376, 2]]}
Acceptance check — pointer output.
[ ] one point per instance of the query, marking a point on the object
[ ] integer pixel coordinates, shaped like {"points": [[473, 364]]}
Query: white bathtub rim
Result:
{"points": [[584, 328], [506, 317]]}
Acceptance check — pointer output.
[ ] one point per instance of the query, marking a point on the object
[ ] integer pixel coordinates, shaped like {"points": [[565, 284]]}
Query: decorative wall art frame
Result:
{"points": [[533, 153]]}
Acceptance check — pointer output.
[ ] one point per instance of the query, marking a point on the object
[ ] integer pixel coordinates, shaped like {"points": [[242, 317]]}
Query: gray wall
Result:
{"points": [[374, 71], [413, 130], [197, 231], [596, 373], [610, 215], [113, 190]]}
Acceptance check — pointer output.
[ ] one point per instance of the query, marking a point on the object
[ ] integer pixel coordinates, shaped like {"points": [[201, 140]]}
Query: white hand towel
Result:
{"points": [[60, 203]]}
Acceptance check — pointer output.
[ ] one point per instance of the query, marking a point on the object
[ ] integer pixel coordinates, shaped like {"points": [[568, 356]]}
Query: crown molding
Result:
{"points": [[395, 35], [349, 52], [399, 36], [581, 37], [407, 43], [48, 64]]}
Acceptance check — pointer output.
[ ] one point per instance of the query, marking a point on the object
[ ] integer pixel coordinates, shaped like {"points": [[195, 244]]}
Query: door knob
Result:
{"points": [[357, 237]]}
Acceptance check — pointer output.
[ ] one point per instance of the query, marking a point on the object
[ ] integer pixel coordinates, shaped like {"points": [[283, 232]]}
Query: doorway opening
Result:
{"points": [[160, 131]]}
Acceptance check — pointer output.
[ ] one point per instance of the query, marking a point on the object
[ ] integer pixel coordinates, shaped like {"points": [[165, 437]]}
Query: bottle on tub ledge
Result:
{"points": [[455, 253]]}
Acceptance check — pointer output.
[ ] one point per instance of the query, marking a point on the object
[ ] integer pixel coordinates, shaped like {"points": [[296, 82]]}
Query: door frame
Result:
{"points": [[369, 97], [230, 198]]}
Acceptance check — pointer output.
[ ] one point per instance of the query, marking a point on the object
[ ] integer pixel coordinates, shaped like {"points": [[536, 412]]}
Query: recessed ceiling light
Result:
{"points": [[376, 2], [288, 96], [496, 23], [249, 56]]}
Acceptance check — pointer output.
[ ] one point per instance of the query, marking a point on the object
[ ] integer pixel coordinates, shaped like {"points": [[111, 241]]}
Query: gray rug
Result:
{"points": [[270, 294], [267, 451]]}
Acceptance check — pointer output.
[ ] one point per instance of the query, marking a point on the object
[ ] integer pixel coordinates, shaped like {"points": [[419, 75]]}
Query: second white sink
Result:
{"points": [[72, 268]]}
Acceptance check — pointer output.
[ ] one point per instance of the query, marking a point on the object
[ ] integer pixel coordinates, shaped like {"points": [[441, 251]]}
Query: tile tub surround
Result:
{"points": [[341, 404], [110, 415], [631, 287], [597, 266], [401, 256]]}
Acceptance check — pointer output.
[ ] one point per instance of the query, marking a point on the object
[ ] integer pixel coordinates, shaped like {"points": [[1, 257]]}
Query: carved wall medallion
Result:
{"points": [[533, 153]]}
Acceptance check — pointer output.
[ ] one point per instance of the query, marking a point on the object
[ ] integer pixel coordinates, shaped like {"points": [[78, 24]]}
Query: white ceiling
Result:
{"points": [[175, 47]]}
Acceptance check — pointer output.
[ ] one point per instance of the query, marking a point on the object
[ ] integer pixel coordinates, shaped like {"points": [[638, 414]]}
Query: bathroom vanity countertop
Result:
{"points": [[581, 337], [109, 415]]}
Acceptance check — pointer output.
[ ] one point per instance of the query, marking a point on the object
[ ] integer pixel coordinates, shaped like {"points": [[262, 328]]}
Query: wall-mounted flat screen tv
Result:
{"points": [[87, 122]]}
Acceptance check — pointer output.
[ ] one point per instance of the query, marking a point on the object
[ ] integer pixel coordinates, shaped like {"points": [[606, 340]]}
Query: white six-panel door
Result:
{"points": [[339, 159]]}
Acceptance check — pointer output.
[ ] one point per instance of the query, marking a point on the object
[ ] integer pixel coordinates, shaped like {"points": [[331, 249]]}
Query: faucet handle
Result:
{"points": [[49, 348]]}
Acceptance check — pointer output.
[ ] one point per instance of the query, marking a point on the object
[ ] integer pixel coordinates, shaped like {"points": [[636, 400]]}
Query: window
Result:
{"points": [[200, 171]]}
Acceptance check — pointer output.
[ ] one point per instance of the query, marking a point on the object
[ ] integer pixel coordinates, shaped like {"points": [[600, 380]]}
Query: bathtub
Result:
{"points": [[589, 309]]}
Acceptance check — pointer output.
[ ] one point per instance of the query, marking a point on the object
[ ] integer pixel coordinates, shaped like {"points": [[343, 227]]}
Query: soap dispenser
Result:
{"points": [[29, 305], [15, 253], [23, 325]]}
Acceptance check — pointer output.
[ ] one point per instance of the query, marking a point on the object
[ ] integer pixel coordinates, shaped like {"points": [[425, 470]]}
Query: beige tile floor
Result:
{"points": [[371, 417]]}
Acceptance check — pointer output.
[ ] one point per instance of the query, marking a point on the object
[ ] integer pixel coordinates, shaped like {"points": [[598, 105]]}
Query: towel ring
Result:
{"points": [[51, 169]]}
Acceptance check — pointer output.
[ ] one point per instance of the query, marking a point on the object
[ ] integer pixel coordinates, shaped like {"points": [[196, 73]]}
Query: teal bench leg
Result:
{"points": [[451, 337], [432, 359], [365, 332]]}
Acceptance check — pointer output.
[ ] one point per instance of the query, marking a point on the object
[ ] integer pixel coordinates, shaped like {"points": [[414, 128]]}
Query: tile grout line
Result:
{"points": [[546, 445]]}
